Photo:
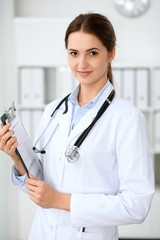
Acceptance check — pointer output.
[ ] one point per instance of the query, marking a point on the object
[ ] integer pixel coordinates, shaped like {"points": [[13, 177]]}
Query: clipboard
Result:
{"points": [[24, 149]]}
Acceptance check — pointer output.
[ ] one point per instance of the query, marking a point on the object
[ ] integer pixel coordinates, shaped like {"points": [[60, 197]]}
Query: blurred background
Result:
{"points": [[34, 71]]}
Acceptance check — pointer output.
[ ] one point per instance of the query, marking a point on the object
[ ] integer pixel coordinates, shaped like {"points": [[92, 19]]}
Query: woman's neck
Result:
{"points": [[87, 93]]}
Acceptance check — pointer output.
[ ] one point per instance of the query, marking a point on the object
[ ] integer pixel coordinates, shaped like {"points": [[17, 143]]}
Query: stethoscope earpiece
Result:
{"points": [[38, 151], [43, 151]]}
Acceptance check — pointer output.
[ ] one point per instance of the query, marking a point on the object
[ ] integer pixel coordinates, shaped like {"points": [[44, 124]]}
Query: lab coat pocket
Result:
{"points": [[89, 236]]}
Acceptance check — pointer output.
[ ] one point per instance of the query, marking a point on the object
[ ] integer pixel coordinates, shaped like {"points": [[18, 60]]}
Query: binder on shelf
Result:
{"points": [[142, 88], [25, 86], [64, 81], [117, 77], [128, 85], [50, 84], [157, 131], [32, 86], [157, 88], [37, 86]]}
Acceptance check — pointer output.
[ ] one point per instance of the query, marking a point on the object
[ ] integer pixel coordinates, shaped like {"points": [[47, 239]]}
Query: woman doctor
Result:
{"points": [[111, 183]]}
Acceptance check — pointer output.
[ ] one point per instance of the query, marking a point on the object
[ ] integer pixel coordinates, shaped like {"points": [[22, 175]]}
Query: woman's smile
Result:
{"points": [[84, 73]]}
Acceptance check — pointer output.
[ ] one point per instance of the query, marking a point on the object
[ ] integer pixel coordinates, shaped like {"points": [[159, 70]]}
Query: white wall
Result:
{"points": [[137, 38], [3, 205], [3, 162], [7, 192]]}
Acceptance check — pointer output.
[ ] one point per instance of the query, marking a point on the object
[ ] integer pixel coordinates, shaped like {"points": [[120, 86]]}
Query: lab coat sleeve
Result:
{"points": [[20, 183], [132, 202]]}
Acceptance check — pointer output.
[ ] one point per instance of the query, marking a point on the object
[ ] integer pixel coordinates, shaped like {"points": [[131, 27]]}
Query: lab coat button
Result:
{"points": [[60, 159], [51, 228]]}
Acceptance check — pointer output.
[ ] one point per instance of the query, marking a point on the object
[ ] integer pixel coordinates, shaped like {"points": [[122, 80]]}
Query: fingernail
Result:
{"points": [[30, 175], [1, 125]]}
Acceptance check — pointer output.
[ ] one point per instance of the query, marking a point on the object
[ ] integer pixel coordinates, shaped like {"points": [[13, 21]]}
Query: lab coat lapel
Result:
{"points": [[65, 121], [82, 125], [89, 116]]}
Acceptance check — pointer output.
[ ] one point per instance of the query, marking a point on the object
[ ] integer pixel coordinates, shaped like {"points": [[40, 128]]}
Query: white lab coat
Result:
{"points": [[111, 184]]}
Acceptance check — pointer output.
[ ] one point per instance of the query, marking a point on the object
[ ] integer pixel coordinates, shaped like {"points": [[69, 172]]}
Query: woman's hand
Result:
{"points": [[8, 143], [45, 196]]}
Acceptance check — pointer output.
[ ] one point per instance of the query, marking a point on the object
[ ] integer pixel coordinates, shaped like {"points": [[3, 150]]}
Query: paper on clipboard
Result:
{"points": [[24, 149]]}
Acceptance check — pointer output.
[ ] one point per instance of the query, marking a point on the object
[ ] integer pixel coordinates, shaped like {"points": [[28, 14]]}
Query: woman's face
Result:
{"points": [[88, 58]]}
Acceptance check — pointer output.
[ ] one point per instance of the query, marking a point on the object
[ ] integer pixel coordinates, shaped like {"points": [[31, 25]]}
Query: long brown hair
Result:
{"points": [[98, 25]]}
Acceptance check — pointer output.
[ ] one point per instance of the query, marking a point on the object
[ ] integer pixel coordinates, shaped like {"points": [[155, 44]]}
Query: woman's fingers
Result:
{"points": [[31, 189], [34, 182], [5, 138], [8, 143], [11, 145], [5, 133], [13, 149], [31, 176], [4, 128]]}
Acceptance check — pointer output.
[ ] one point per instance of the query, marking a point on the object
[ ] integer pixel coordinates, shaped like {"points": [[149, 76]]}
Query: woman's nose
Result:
{"points": [[83, 63]]}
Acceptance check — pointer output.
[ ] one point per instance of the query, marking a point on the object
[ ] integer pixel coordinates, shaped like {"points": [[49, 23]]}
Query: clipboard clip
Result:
{"points": [[10, 114]]}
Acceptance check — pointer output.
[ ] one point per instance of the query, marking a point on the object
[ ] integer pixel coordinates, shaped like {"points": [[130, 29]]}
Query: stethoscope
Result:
{"points": [[72, 153]]}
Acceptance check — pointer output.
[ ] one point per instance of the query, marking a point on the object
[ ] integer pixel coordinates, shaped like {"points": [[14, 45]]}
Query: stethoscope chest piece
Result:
{"points": [[72, 154]]}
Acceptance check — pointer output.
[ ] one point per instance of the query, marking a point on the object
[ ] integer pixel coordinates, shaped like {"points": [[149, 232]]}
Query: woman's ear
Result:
{"points": [[112, 54]]}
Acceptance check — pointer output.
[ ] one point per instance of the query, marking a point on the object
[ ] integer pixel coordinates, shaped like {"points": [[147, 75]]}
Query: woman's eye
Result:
{"points": [[74, 53], [93, 53]]}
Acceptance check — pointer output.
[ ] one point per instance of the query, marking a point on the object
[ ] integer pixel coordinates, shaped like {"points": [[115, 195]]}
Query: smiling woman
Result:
{"points": [[100, 27], [90, 41], [88, 59], [111, 182]]}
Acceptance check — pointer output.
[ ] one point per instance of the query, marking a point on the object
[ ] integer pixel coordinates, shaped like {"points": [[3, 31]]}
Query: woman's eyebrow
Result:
{"points": [[88, 50], [91, 49], [71, 49]]}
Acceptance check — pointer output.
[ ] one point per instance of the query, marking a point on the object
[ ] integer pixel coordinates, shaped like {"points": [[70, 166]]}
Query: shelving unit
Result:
{"points": [[135, 84]]}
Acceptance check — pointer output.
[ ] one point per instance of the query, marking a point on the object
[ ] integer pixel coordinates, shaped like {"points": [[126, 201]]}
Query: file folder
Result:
{"points": [[32, 86], [142, 88], [157, 131], [117, 77], [64, 81], [157, 87], [128, 85]]}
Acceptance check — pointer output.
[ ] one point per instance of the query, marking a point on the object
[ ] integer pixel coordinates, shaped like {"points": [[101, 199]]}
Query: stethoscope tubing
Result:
{"points": [[84, 134], [104, 106]]}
